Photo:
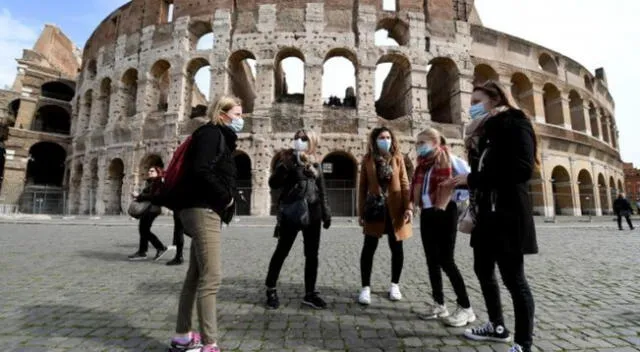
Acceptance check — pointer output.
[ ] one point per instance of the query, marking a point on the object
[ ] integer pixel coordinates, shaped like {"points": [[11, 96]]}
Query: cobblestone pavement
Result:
{"points": [[70, 288]]}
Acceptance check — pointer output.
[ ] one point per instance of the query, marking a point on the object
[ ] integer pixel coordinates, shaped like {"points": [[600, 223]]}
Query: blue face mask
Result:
{"points": [[477, 111], [424, 150], [384, 145], [236, 124]]}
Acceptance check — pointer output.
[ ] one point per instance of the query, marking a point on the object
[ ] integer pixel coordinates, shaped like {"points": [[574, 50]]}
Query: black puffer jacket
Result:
{"points": [[209, 179], [505, 218], [620, 205], [150, 190], [290, 177]]}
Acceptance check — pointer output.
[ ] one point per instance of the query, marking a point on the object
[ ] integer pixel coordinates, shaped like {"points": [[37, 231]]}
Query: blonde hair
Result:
{"points": [[222, 105], [433, 135]]}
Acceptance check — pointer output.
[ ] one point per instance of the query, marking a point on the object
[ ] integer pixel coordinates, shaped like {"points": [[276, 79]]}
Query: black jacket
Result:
{"points": [[288, 175], [620, 205], [150, 190], [209, 179], [505, 217]]}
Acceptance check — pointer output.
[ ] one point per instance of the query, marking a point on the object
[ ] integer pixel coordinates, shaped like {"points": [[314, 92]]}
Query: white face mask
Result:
{"points": [[300, 145]]}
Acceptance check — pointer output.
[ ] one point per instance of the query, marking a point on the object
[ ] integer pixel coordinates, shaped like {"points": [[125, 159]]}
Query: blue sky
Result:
{"points": [[586, 30]]}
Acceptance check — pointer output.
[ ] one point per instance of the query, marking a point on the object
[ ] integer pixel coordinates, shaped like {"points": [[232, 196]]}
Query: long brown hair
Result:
{"points": [[373, 145], [495, 92]]}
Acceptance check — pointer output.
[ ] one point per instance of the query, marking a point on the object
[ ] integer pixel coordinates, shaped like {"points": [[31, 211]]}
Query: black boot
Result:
{"points": [[175, 261]]}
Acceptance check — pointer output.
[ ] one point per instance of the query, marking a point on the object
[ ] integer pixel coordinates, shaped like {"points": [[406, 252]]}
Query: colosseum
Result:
{"points": [[137, 95]]}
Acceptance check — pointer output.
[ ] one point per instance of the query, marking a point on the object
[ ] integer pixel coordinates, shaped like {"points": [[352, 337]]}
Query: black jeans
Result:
{"points": [[146, 235], [178, 234], [627, 217], [511, 267], [288, 234], [438, 229], [369, 249]]}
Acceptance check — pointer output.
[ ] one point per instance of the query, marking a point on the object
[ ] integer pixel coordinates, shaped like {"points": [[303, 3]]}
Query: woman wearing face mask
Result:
{"points": [[502, 148], [383, 173], [298, 176], [438, 223], [207, 189]]}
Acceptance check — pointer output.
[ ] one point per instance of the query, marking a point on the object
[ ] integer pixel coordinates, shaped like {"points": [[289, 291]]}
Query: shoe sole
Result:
{"points": [[394, 299], [137, 259], [364, 303], [459, 325], [309, 304], [483, 338]]}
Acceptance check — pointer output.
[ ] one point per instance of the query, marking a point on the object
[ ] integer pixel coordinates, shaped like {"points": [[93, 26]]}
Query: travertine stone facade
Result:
{"points": [[136, 93]]}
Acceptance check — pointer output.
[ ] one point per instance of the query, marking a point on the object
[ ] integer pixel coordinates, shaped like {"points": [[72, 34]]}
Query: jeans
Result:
{"points": [[438, 229], [178, 234], [146, 236], [288, 234], [511, 267], [627, 217], [369, 249], [204, 274]]}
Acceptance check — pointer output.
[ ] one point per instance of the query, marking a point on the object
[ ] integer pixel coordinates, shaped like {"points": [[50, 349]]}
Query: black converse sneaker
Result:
{"points": [[488, 332], [273, 302], [314, 301]]}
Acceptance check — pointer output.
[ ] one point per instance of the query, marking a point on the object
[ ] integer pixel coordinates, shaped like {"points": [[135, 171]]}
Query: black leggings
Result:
{"points": [[438, 231], [146, 235], [178, 234], [369, 249], [511, 267], [311, 237]]}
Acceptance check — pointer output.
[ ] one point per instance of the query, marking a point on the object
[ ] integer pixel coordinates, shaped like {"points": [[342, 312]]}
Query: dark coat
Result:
{"points": [[505, 218], [209, 179], [620, 205], [288, 174], [150, 191]]}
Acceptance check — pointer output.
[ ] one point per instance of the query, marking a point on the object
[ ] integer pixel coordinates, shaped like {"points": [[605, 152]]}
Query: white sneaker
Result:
{"points": [[434, 312], [394, 292], [461, 317], [365, 296]]}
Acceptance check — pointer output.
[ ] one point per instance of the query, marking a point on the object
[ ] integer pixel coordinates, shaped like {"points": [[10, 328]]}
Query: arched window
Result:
{"points": [[198, 87], [443, 84], [242, 78], [130, 92], [105, 101], [201, 35], [392, 32], [339, 78], [548, 64], [52, 119], [483, 73], [393, 89], [522, 92], [576, 105], [57, 90], [45, 165], [552, 105], [159, 86], [289, 76]]}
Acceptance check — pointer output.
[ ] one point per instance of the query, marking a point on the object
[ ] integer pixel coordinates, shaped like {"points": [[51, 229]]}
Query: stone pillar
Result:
{"points": [[547, 188], [103, 175], [538, 103], [587, 118], [264, 90], [220, 55], [607, 124], [566, 110], [96, 110], [420, 99], [366, 97], [15, 173], [505, 82], [466, 91], [26, 113], [599, 118], [313, 104], [597, 202]]}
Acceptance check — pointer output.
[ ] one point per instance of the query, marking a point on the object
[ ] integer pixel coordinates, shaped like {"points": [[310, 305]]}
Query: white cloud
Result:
{"points": [[592, 32], [14, 37]]}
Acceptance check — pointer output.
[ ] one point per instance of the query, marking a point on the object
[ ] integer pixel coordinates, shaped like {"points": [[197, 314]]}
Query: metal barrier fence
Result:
{"points": [[342, 201], [43, 200]]}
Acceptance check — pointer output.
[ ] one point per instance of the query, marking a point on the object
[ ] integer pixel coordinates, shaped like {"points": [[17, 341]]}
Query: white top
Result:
{"points": [[459, 167]]}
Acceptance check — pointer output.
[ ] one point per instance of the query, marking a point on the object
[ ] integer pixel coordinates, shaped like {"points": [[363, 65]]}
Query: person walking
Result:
{"points": [[300, 179], [206, 192], [622, 207], [152, 186], [384, 207], [178, 239], [502, 148], [438, 223]]}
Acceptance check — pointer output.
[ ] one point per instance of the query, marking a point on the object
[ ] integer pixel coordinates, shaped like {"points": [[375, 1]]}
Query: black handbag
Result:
{"points": [[374, 208], [296, 212]]}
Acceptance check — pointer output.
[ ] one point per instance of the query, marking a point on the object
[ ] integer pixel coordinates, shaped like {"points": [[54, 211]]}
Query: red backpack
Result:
{"points": [[173, 174]]}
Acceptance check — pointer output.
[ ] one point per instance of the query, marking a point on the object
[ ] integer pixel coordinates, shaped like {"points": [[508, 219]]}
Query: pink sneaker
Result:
{"points": [[195, 342], [210, 348]]}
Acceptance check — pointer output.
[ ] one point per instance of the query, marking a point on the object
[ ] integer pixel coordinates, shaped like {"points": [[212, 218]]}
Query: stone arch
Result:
{"points": [[198, 73], [548, 64], [86, 108], [552, 105], [394, 93], [129, 92], [443, 85], [593, 119], [115, 181], [289, 68], [201, 35], [588, 83], [14, 108], [602, 194], [536, 193], [93, 186], [92, 70], [46, 163], [562, 191], [612, 189], [57, 90], [483, 73], [242, 78], [620, 186], [392, 31], [158, 86], [604, 121], [105, 101], [339, 78], [522, 92], [586, 189], [340, 170], [576, 106], [244, 183], [52, 119]]}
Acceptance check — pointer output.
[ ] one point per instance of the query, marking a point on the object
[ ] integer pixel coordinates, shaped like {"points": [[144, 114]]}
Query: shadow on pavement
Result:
{"points": [[51, 321], [105, 256]]}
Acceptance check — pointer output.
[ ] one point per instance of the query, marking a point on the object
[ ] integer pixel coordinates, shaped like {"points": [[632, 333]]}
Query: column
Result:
{"points": [[538, 103], [599, 118], [264, 90], [609, 130], [464, 102], [587, 118], [26, 113], [313, 103], [102, 180], [366, 97], [420, 99], [566, 110]]}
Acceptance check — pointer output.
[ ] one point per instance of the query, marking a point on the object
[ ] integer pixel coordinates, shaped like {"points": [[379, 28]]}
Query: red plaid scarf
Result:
{"points": [[439, 162]]}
